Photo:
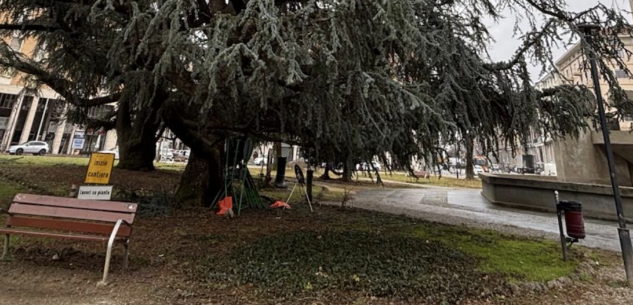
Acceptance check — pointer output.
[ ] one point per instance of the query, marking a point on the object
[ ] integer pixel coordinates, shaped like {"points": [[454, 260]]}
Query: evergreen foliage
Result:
{"points": [[350, 78]]}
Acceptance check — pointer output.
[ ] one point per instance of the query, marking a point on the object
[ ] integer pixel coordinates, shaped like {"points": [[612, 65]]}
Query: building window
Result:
{"points": [[41, 105], [16, 44], [7, 100], [26, 103], [621, 74]]}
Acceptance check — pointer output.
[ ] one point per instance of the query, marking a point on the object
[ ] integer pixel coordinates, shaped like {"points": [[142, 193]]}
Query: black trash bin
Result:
{"points": [[574, 221]]}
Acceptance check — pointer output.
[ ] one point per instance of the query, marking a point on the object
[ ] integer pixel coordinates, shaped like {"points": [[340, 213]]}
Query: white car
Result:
{"points": [[114, 151], [263, 160], [167, 157], [181, 155], [477, 169], [365, 167], [31, 147]]}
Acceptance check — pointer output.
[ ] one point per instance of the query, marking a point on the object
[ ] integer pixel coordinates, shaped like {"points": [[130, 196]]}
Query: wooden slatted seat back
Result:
{"points": [[70, 214]]}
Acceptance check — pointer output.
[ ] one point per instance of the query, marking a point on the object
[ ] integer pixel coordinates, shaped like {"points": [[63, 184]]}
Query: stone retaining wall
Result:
{"points": [[537, 193]]}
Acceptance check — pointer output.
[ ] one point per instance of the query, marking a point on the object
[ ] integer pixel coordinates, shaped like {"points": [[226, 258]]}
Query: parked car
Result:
{"points": [[477, 169], [366, 167], [31, 147], [167, 156], [114, 151], [181, 156], [263, 160]]}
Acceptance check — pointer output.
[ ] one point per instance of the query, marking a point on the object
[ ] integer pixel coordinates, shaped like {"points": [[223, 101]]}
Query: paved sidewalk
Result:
{"points": [[468, 207]]}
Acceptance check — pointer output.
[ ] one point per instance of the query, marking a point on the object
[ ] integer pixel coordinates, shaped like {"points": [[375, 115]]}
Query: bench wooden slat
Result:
{"points": [[61, 212], [55, 235], [67, 225], [112, 206]]}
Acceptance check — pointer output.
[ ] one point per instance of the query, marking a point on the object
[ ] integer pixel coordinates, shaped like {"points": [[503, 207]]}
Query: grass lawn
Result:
{"points": [[7, 191], [329, 256], [43, 160], [38, 161], [537, 261], [434, 180], [363, 178]]}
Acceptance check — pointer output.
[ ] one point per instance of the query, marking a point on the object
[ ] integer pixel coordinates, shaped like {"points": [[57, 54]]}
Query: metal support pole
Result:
{"points": [[15, 112], [623, 232], [126, 255], [5, 250], [291, 192], [309, 178], [307, 198], [563, 241], [39, 129]]}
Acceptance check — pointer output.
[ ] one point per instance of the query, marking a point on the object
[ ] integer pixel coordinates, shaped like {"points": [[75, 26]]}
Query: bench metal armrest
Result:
{"points": [[115, 230], [113, 235]]}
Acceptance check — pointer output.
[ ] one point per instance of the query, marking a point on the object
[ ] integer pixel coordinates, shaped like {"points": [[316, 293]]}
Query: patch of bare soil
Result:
{"points": [[164, 254], [57, 180]]}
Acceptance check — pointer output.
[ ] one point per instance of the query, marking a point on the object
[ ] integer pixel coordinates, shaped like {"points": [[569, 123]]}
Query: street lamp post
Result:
{"points": [[623, 231]]}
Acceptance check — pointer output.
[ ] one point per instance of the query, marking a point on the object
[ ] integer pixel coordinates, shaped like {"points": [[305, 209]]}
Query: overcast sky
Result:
{"points": [[506, 45]]}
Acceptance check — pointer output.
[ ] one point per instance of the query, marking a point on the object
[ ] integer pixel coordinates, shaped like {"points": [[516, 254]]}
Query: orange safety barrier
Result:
{"points": [[226, 204], [280, 204]]}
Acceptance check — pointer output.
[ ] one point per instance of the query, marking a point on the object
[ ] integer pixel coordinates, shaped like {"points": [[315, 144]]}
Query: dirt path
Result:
{"points": [[59, 286]]}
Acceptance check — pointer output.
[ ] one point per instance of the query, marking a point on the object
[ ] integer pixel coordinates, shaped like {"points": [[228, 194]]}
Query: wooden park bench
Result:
{"points": [[70, 218]]}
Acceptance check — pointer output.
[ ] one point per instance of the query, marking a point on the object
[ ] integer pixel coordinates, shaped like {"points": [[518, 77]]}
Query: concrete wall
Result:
{"points": [[536, 193], [584, 160]]}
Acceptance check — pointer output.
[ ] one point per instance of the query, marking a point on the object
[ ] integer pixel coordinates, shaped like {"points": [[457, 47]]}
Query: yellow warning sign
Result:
{"points": [[100, 168]]}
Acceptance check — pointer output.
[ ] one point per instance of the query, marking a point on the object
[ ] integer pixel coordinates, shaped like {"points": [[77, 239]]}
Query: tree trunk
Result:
{"points": [[268, 178], [137, 154], [326, 174], [136, 137], [347, 170], [378, 179], [470, 173], [201, 181], [277, 148]]}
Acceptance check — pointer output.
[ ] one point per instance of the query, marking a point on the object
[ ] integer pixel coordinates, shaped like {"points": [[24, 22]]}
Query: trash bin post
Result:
{"points": [[563, 242]]}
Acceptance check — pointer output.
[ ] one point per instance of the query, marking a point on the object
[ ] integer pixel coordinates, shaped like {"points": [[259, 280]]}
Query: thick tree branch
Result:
{"points": [[63, 87]]}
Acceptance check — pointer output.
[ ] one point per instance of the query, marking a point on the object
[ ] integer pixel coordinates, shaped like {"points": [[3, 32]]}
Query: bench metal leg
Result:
{"points": [[5, 251], [126, 258]]}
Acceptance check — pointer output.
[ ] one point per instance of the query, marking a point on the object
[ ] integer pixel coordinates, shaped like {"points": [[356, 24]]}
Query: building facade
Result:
{"points": [[42, 116], [572, 70]]}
